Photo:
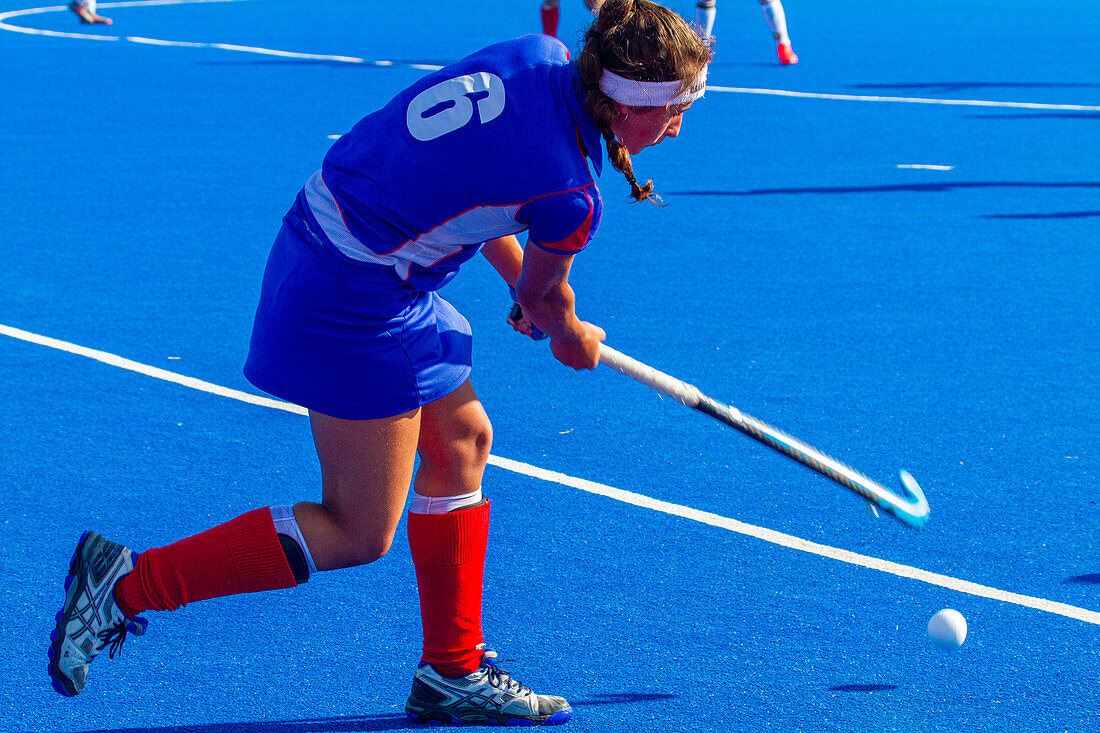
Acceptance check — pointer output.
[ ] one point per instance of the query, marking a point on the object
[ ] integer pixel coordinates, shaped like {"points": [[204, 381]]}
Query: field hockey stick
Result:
{"points": [[911, 509]]}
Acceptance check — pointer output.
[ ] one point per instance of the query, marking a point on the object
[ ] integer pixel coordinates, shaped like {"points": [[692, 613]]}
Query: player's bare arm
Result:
{"points": [[506, 256], [547, 299]]}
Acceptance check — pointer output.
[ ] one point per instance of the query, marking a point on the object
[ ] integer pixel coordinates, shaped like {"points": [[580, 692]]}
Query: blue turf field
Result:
{"points": [[945, 321]]}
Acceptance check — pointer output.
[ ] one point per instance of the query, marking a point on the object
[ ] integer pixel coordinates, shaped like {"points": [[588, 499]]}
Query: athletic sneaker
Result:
{"points": [[786, 54], [90, 619], [86, 15], [488, 696], [82, 11]]}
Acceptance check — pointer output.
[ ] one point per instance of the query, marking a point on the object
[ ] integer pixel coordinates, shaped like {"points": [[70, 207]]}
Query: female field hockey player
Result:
{"points": [[704, 20], [773, 14], [551, 14], [85, 10], [350, 325]]}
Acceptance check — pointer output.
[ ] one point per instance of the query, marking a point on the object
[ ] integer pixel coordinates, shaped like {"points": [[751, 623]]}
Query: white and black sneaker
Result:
{"points": [[488, 696], [90, 619]]}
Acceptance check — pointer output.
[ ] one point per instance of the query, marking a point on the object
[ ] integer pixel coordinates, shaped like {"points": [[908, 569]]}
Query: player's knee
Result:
{"points": [[476, 447], [358, 540], [364, 550], [471, 452], [481, 443], [375, 549], [465, 449]]}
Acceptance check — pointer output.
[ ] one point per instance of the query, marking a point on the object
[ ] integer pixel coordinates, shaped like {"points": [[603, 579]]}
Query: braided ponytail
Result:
{"points": [[604, 113], [640, 40]]}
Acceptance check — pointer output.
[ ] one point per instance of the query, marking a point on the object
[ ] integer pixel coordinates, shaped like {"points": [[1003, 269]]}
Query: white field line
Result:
{"points": [[795, 543], [150, 371], [433, 67], [86, 36], [183, 44], [908, 100], [610, 492]]}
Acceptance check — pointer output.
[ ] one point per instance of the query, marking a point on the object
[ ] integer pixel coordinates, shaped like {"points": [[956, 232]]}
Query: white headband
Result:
{"points": [[634, 93]]}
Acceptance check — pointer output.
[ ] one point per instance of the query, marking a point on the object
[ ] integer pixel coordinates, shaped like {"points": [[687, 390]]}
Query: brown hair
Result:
{"points": [[640, 40]]}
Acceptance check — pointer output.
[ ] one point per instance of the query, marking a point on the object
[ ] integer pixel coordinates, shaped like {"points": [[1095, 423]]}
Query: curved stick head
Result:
{"points": [[915, 511]]}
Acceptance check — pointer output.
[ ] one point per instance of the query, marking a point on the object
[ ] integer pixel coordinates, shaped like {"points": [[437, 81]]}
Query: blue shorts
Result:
{"points": [[348, 339]]}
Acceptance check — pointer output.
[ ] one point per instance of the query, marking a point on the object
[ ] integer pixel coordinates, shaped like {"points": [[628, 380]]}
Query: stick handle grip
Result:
{"points": [[666, 384]]}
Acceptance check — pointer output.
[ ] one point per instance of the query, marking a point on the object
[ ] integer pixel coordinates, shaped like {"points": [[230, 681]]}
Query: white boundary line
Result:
{"points": [[908, 100], [627, 497], [432, 67], [185, 44], [88, 36], [150, 371], [925, 167]]}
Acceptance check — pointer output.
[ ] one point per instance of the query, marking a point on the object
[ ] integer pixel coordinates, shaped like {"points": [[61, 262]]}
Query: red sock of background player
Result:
{"points": [[244, 555], [550, 15], [448, 551]]}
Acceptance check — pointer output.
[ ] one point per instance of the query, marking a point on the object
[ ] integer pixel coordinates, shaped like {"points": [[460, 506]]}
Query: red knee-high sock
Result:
{"points": [[550, 20], [241, 556], [448, 551]]}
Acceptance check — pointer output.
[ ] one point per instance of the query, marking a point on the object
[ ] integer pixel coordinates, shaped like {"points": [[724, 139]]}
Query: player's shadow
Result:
{"points": [[744, 64], [356, 723], [1086, 579], [1054, 215], [863, 688], [939, 187], [1040, 115], [364, 64], [620, 698], [349, 724]]}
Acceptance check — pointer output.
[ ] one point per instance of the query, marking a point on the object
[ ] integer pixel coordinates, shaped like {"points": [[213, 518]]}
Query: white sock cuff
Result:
{"points": [[443, 504], [285, 523]]}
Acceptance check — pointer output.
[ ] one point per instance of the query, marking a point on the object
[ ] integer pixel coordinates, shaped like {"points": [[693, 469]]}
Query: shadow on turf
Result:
{"points": [[364, 64], [1088, 578], [862, 688], [356, 723], [618, 698], [1041, 115], [349, 724], [897, 187], [1057, 215], [383, 64]]}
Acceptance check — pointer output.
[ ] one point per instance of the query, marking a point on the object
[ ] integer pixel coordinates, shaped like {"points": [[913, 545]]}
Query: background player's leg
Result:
{"points": [[777, 22], [704, 17], [550, 15]]}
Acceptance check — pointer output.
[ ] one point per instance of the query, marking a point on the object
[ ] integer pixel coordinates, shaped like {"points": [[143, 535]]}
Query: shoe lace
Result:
{"points": [[114, 636], [500, 677]]}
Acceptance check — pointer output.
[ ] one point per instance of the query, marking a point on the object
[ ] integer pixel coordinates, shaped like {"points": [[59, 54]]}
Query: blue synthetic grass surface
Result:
{"points": [[945, 321]]}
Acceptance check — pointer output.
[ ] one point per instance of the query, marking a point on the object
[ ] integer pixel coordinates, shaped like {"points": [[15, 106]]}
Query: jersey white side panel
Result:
{"points": [[472, 227], [327, 213]]}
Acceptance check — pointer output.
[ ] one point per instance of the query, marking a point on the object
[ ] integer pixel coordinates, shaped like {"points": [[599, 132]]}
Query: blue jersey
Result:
{"points": [[494, 144]]}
